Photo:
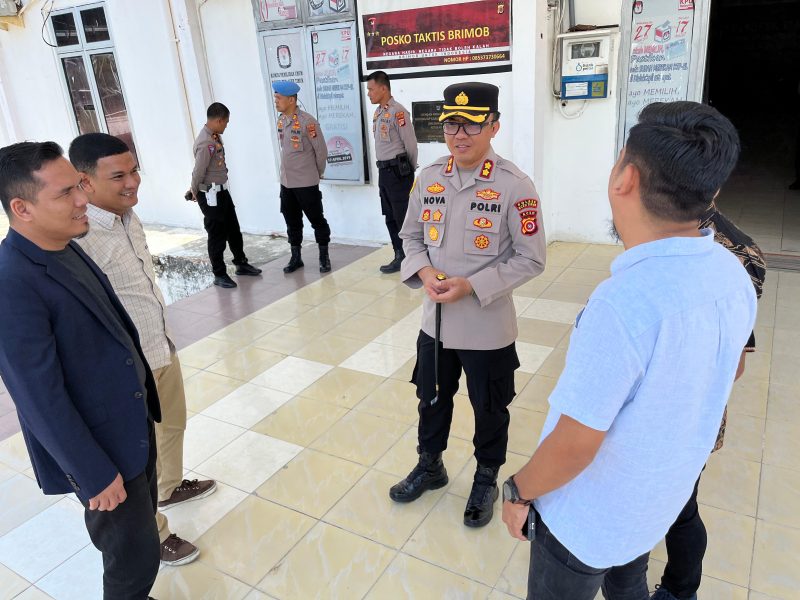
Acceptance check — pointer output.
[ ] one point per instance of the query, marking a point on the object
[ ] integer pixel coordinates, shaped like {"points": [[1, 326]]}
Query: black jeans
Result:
{"points": [[128, 537], [222, 226], [686, 546], [490, 383], [394, 190], [555, 574], [297, 201]]}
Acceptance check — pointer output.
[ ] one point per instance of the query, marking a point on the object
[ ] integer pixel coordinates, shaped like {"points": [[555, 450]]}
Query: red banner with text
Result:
{"points": [[462, 35]]}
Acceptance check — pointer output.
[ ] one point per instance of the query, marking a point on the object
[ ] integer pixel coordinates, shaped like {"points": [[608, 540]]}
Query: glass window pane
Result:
{"points": [[65, 30], [111, 98], [95, 28], [80, 94]]}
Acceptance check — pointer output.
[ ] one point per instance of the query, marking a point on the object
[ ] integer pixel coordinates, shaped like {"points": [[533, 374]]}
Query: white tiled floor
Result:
{"points": [[306, 422]]}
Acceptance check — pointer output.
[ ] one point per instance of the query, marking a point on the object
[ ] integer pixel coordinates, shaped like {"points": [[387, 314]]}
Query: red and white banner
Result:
{"points": [[457, 35]]}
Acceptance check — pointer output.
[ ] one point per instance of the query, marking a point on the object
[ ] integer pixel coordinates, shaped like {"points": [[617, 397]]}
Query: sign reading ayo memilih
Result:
{"points": [[660, 54], [455, 35]]}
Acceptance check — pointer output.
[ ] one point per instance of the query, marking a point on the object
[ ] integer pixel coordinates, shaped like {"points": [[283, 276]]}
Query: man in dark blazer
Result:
{"points": [[71, 360]]}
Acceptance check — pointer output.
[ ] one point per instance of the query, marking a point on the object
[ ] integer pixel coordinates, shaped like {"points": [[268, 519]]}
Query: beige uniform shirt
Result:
{"points": [[304, 152], [119, 247], [394, 132], [486, 226], [209, 161]]}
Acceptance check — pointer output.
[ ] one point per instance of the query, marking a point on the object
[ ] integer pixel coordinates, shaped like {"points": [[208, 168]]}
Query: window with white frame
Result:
{"points": [[86, 56]]}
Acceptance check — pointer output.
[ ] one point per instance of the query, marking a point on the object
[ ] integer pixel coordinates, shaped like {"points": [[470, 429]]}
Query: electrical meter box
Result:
{"points": [[585, 60]]}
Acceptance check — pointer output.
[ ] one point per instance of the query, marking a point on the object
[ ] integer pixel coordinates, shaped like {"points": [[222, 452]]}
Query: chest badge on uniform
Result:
{"points": [[436, 188], [437, 216], [488, 167], [387, 115], [487, 194], [211, 149], [482, 242], [433, 233], [482, 223], [528, 222], [426, 215]]}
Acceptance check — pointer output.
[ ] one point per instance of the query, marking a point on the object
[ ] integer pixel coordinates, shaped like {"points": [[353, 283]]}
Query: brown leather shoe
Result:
{"points": [[176, 551], [189, 490]]}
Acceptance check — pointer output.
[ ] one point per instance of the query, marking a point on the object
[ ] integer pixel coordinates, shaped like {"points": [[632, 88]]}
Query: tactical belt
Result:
{"points": [[217, 186], [387, 164]]}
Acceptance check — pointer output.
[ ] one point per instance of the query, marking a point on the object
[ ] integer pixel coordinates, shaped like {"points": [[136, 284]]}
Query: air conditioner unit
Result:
{"points": [[9, 8]]}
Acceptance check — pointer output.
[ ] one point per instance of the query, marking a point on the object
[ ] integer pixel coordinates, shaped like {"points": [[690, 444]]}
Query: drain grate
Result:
{"points": [[783, 262]]}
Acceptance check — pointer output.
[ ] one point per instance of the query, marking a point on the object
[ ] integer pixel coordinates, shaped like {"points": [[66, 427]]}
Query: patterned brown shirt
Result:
{"points": [[748, 252]]}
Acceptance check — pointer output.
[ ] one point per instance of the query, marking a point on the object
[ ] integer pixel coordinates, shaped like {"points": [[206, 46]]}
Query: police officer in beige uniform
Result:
{"points": [[396, 151], [209, 189], [304, 155], [475, 217]]}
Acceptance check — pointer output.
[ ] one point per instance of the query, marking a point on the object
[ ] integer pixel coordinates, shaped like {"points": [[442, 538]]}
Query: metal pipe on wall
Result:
{"points": [[571, 14]]}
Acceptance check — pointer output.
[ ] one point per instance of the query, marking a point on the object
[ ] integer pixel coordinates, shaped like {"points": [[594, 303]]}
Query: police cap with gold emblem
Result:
{"points": [[472, 100]]}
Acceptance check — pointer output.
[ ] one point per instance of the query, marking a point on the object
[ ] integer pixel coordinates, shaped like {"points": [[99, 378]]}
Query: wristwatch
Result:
{"points": [[511, 493]]}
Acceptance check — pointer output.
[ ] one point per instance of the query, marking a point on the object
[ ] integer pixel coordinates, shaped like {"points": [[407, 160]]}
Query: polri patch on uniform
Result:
{"points": [[433, 233], [211, 149], [435, 188], [482, 242], [401, 118], [482, 223], [528, 222], [486, 170], [487, 194], [526, 203], [312, 130], [426, 215]]}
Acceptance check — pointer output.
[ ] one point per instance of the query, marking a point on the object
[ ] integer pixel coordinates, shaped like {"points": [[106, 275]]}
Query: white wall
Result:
{"points": [[579, 153], [147, 62]]}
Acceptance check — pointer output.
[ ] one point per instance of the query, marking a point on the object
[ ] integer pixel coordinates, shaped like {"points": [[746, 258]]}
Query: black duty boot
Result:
{"points": [[324, 260], [480, 505], [247, 269], [394, 266], [224, 281], [429, 474], [295, 262]]}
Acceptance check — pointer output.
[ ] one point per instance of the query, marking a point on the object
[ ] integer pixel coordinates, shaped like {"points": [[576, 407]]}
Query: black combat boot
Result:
{"points": [[394, 266], [429, 474], [324, 260], [295, 262], [480, 505]]}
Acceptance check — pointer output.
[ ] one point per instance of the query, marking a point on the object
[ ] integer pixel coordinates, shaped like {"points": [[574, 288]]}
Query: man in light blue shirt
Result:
{"points": [[649, 369]]}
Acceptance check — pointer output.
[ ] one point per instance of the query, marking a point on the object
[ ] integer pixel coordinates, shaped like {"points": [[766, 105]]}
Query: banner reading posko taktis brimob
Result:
{"points": [[458, 35]]}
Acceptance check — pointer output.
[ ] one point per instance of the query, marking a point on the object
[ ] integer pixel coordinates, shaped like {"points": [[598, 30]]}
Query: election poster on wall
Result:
{"points": [[660, 54], [286, 61], [338, 99], [276, 11], [456, 35], [329, 8]]}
